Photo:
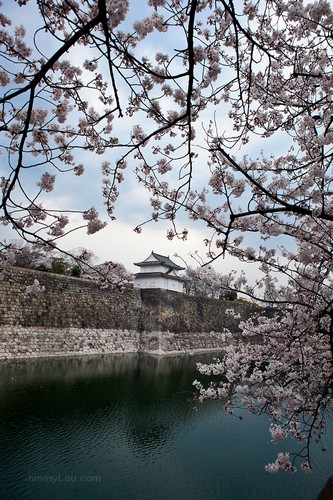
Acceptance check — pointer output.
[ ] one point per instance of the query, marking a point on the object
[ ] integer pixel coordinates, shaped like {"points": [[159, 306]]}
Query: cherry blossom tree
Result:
{"points": [[109, 274], [238, 91], [77, 263], [203, 282]]}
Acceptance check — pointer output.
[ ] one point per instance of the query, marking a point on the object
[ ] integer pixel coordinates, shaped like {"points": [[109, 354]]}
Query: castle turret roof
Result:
{"points": [[159, 259]]}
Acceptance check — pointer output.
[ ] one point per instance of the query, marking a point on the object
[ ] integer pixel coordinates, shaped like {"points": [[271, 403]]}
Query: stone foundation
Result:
{"points": [[77, 317]]}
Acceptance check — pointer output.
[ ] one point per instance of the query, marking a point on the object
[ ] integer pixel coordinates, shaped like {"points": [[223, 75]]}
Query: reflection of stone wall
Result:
{"points": [[115, 366], [74, 316]]}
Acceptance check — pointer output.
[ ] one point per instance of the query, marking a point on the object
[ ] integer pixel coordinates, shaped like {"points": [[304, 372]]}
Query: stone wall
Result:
{"points": [[75, 316], [66, 302], [178, 322]]}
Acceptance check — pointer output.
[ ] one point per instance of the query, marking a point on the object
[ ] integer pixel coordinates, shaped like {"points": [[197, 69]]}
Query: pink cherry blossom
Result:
{"points": [[35, 288], [46, 182]]}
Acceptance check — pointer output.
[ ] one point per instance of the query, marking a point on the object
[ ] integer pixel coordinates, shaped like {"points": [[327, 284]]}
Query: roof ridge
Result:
{"points": [[162, 259]]}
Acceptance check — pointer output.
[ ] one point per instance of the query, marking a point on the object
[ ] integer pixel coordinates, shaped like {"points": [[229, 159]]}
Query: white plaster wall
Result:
{"points": [[158, 282], [153, 282], [153, 269]]}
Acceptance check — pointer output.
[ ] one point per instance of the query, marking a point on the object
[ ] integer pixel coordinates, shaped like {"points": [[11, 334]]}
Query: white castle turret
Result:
{"points": [[159, 271]]}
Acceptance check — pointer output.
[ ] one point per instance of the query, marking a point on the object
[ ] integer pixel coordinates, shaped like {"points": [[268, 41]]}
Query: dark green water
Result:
{"points": [[123, 427]]}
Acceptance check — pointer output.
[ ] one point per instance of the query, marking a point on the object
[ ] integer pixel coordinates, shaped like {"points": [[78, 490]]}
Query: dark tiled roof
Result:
{"points": [[161, 259]]}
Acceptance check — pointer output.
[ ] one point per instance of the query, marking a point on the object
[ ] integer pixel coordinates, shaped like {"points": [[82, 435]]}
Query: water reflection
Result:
{"points": [[128, 422]]}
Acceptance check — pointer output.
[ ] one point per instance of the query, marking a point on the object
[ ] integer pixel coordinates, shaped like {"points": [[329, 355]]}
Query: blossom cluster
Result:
{"points": [[35, 288], [94, 223], [46, 182], [281, 463]]}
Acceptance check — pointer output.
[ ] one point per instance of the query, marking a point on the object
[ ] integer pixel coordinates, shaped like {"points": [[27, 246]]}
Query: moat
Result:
{"points": [[125, 427]]}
